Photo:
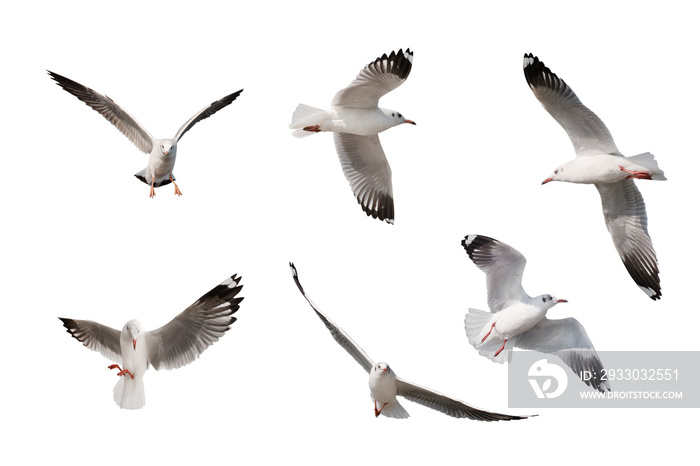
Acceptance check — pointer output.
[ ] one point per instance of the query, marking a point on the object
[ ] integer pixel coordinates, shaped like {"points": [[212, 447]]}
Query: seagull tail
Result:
{"points": [[305, 116], [477, 324], [395, 410], [648, 163], [129, 393]]}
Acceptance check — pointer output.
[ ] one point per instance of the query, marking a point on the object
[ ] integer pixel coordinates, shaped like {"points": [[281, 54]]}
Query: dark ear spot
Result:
{"points": [[543, 299]]}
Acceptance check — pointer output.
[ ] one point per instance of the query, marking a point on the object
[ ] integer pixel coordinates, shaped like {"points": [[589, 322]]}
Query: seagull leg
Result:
{"points": [[502, 346], [153, 191], [177, 190], [314, 128], [378, 412], [487, 335], [636, 174], [114, 366], [126, 371]]}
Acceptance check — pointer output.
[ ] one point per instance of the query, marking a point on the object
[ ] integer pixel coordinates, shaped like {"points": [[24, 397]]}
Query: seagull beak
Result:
{"points": [[410, 122], [134, 344], [167, 152], [558, 301], [547, 180]]}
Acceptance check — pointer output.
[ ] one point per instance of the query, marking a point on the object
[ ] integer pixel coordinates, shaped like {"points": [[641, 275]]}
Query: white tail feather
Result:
{"points": [[395, 410], [129, 393], [305, 115], [477, 324], [649, 163]]}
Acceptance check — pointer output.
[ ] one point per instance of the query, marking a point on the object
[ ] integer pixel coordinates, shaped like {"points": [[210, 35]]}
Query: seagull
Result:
{"points": [[516, 319], [161, 162], [598, 162], [174, 345], [356, 120], [385, 385]]}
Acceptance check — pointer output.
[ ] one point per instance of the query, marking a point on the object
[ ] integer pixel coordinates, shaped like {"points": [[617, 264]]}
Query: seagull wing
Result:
{"points": [[567, 339], [503, 266], [106, 107], [626, 219], [587, 132], [383, 75], [206, 112], [184, 338], [447, 405], [367, 170], [96, 337], [338, 334]]}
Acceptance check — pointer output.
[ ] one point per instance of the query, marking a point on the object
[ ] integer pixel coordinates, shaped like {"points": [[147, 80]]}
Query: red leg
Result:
{"points": [[636, 174], [314, 128], [114, 366], [126, 371], [153, 191], [487, 335], [378, 412], [503, 346]]}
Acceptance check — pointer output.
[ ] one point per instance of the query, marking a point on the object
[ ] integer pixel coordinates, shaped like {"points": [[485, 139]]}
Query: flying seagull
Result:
{"points": [[385, 385], [356, 120], [161, 162], [174, 345], [516, 319], [598, 162]]}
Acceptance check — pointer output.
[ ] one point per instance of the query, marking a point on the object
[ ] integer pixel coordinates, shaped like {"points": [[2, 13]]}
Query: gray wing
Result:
{"points": [[206, 112], [383, 75], [587, 132], [184, 338], [447, 405], [626, 219], [338, 334], [503, 266], [567, 339], [106, 107], [96, 337], [367, 170]]}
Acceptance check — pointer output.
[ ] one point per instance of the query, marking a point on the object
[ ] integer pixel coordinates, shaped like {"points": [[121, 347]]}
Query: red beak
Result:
{"points": [[547, 181], [410, 122], [558, 300], [134, 344]]}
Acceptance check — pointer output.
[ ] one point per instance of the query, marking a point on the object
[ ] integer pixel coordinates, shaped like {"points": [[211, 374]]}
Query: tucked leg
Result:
{"points": [[501, 349], [487, 335], [126, 371], [313, 129], [377, 412], [636, 174], [114, 366]]}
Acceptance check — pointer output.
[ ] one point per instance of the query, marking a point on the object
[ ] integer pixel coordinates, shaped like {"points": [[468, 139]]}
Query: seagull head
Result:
{"points": [[132, 329], [397, 117], [558, 175], [382, 369], [547, 301], [167, 146]]}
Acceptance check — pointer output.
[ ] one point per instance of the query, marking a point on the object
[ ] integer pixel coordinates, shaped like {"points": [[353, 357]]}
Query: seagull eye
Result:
{"points": [[400, 116]]}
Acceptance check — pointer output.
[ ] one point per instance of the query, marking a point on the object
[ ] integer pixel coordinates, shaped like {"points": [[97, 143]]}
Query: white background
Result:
{"points": [[81, 238]]}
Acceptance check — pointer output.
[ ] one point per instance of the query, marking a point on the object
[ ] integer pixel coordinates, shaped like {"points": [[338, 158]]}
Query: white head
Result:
{"points": [[558, 175], [397, 117], [168, 146], [547, 301], [382, 369], [133, 330]]}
